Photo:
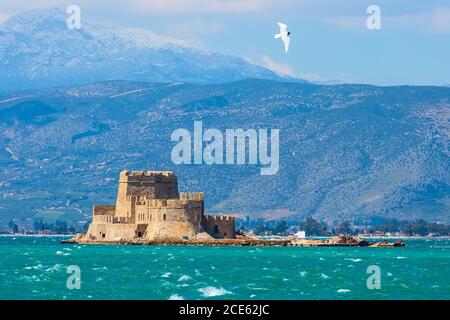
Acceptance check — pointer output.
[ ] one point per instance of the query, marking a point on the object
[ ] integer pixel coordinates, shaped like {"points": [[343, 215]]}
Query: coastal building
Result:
{"points": [[150, 207]]}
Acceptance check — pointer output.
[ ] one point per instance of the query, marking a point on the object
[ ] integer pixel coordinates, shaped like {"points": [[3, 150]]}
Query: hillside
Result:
{"points": [[346, 151]]}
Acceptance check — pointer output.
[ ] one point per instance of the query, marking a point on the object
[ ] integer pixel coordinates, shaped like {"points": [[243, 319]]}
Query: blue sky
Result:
{"points": [[330, 40]]}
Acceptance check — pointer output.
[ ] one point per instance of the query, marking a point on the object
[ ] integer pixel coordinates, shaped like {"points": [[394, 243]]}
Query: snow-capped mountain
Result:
{"points": [[37, 50]]}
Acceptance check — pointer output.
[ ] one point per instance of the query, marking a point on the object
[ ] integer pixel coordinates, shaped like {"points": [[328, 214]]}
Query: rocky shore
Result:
{"points": [[337, 241]]}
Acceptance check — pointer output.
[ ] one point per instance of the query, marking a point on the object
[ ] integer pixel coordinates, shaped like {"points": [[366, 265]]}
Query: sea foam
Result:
{"points": [[184, 278], [213, 292], [343, 290]]}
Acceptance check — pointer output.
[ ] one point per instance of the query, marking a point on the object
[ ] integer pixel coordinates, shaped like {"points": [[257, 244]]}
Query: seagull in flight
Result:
{"points": [[284, 35]]}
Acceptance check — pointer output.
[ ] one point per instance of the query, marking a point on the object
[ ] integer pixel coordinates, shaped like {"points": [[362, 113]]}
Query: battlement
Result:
{"points": [[152, 184], [144, 173], [197, 196], [218, 218]]}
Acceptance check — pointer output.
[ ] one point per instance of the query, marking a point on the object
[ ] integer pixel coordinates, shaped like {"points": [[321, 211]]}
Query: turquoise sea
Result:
{"points": [[36, 268]]}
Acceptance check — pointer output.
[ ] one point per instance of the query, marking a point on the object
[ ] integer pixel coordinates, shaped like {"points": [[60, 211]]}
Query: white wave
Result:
{"points": [[184, 278], [302, 273], [101, 268], [56, 267], [183, 285], [343, 290], [36, 267], [400, 257], [176, 297], [33, 278], [213, 292], [324, 276], [61, 253], [354, 260], [166, 274]]}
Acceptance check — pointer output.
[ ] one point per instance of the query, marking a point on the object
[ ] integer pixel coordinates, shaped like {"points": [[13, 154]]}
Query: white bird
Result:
{"points": [[284, 35]]}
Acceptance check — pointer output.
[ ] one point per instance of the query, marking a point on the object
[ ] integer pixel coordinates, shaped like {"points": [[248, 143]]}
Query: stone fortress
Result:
{"points": [[150, 210], [149, 207]]}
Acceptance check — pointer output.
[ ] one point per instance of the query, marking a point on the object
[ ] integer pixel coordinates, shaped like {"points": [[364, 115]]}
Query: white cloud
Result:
{"points": [[277, 67], [286, 70], [441, 20]]}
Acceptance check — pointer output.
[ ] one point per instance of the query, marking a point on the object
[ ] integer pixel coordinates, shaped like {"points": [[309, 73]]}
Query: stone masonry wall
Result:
{"points": [[219, 226]]}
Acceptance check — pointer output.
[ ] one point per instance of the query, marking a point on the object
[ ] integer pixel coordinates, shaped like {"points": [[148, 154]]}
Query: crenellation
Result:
{"points": [[199, 196]]}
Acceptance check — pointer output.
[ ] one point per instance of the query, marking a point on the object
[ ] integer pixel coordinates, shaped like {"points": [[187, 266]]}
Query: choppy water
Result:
{"points": [[36, 268]]}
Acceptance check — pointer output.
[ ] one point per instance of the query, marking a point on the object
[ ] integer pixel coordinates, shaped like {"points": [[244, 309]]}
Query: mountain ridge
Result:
{"points": [[346, 151]]}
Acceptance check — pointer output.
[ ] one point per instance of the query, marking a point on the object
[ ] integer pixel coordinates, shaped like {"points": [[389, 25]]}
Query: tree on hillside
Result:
{"points": [[280, 227], [344, 228], [418, 227], [313, 227]]}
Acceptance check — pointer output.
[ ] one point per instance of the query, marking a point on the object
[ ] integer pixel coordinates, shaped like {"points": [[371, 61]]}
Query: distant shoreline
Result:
{"points": [[404, 237], [367, 237]]}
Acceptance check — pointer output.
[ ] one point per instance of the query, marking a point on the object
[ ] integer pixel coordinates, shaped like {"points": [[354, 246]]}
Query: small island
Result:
{"points": [[151, 211]]}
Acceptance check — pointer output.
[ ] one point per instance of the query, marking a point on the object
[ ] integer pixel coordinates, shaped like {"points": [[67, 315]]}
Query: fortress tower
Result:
{"points": [[149, 206]]}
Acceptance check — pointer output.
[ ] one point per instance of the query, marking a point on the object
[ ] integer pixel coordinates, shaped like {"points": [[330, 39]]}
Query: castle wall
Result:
{"points": [[176, 221], [104, 210], [111, 232], [103, 214], [143, 184], [219, 226]]}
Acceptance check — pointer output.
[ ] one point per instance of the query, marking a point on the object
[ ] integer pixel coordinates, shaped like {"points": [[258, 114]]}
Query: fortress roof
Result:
{"points": [[139, 173]]}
